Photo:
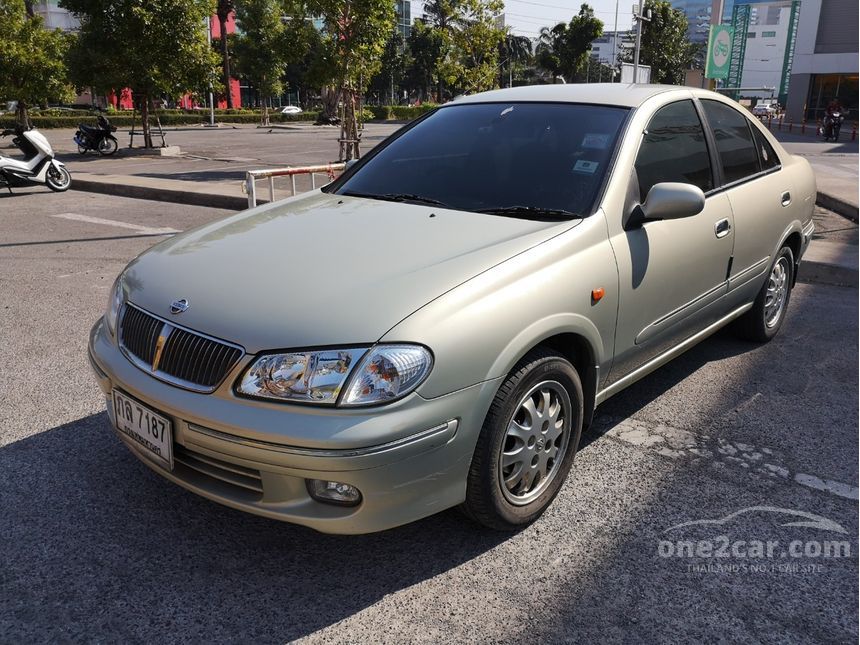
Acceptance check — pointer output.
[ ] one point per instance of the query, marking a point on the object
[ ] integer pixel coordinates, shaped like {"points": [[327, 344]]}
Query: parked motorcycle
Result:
{"points": [[99, 139], [832, 125], [39, 166]]}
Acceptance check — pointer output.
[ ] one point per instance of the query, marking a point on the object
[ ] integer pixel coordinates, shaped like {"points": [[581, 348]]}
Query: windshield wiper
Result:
{"points": [[399, 197], [533, 212]]}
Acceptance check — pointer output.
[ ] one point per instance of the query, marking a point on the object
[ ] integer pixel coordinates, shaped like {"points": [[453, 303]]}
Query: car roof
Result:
{"points": [[626, 95]]}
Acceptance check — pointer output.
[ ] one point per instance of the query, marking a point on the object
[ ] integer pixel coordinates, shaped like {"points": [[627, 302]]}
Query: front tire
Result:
{"points": [[527, 443], [107, 146], [58, 179], [762, 322]]}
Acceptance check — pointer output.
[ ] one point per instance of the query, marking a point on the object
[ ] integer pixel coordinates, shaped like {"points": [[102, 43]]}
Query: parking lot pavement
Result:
{"points": [[758, 441]]}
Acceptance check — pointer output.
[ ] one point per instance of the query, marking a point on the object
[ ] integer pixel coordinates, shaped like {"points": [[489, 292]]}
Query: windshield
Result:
{"points": [[510, 158]]}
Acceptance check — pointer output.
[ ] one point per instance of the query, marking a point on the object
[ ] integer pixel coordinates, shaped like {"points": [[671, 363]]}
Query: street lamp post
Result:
{"points": [[211, 96]]}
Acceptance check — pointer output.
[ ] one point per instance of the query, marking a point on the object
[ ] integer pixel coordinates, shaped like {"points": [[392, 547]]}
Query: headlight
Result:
{"points": [[114, 305], [385, 373], [388, 372], [312, 377]]}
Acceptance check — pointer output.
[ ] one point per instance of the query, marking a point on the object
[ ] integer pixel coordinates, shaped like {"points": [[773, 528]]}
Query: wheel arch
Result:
{"points": [[576, 338]]}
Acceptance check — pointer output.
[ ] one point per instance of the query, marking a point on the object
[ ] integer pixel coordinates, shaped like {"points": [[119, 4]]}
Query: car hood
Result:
{"points": [[321, 269]]}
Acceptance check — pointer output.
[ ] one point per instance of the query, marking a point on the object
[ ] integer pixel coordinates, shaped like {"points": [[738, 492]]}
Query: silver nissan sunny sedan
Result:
{"points": [[436, 327]]}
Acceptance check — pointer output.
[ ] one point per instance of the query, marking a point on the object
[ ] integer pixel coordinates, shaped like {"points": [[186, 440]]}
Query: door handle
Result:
{"points": [[722, 228], [786, 198]]}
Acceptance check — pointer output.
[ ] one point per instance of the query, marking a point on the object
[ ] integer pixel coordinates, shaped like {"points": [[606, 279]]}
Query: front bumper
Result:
{"points": [[409, 459]]}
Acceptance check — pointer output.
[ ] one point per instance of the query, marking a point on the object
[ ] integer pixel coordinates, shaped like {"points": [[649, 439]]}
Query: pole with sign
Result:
{"points": [[719, 50]]}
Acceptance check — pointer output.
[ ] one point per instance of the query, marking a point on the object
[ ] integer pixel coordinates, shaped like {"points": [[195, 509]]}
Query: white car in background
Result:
{"points": [[765, 109], [291, 109]]}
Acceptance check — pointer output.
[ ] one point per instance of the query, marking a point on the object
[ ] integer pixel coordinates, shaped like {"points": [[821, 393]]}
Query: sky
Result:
{"points": [[526, 17]]}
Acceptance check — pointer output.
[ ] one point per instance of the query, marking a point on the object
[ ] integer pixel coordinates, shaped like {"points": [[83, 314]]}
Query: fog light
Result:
{"points": [[333, 492]]}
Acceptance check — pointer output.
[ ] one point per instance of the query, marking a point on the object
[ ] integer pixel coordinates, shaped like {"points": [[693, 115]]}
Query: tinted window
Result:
{"points": [[674, 149], [735, 146], [495, 155], [766, 154]]}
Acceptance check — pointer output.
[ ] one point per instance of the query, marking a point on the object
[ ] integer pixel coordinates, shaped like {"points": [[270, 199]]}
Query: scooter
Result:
{"points": [[99, 139], [832, 125], [39, 166]]}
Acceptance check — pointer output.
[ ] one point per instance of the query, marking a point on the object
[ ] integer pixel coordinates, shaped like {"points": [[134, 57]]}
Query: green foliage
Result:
{"points": [[470, 50], [124, 119], [665, 46], [154, 48], [392, 66], [425, 49], [266, 43], [400, 112], [354, 37], [562, 50], [32, 59]]}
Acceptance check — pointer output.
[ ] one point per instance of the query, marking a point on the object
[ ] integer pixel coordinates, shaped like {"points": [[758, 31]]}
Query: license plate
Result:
{"points": [[149, 430]]}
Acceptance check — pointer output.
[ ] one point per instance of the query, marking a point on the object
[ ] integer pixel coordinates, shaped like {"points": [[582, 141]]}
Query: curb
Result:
{"points": [[212, 200], [821, 273], [837, 205]]}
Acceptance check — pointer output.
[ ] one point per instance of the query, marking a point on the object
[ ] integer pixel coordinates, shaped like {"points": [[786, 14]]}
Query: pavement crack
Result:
{"points": [[676, 443]]}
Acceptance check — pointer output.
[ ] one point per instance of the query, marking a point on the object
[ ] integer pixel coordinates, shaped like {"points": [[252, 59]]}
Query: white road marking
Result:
{"points": [[142, 230], [678, 444]]}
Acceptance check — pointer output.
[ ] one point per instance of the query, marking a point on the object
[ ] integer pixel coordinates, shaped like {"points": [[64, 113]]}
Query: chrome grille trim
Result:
{"points": [[189, 359]]}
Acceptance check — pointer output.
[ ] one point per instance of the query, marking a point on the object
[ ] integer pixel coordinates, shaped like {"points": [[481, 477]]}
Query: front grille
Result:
{"points": [[186, 358], [241, 480]]}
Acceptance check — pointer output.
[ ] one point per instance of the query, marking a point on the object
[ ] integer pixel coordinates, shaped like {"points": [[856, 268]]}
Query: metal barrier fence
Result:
{"points": [[251, 177]]}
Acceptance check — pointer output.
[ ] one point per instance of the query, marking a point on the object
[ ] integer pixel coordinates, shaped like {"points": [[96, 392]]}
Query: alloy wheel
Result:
{"points": [[535, 442], [777, 290]]}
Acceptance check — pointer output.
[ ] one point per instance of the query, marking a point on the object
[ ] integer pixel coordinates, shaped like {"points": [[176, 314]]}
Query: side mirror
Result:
{"points": [[670, 200]]}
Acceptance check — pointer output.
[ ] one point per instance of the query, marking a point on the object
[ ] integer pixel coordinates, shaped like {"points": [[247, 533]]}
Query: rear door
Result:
{"points": [[758, 192]]}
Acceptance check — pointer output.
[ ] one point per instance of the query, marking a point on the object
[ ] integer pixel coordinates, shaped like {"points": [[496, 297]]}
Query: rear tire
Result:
{"points": [[527, 443], [58, 179], [762, 322]]}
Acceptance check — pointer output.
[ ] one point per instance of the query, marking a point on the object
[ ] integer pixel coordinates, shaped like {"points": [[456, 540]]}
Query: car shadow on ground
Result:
{"points": [[97, 547]]}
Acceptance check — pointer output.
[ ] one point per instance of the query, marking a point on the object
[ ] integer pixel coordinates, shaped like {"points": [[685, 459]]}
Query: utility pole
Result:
{"points": [[615, 42], [639, 17]]}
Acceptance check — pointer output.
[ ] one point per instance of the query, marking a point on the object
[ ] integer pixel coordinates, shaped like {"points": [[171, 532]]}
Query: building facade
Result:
{"points": [[825, 60], [403, 17], [610, 46], [54, 16], [699, 14], [765, 35]]}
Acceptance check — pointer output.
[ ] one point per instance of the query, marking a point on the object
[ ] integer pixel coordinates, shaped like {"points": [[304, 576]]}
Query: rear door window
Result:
{"points": [[674, 149], [766, 154], [735, 146]]}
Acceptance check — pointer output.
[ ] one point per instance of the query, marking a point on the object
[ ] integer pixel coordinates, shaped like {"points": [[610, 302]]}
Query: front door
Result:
{"points": [[671, 271]]}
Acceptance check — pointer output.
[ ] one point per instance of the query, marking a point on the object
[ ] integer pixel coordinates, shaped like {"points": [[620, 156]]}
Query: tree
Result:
{"points": [[513, 51], [392, 67], [665, 46], [223, 10], [153, 48], [425, 48], [472, 55], [267, 43], [355, 34], [439, 17], [563, 49], [32, 60]]}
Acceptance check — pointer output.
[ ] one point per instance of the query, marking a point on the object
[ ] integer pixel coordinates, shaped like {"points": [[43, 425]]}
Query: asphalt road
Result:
{"points": [[96, 548]]}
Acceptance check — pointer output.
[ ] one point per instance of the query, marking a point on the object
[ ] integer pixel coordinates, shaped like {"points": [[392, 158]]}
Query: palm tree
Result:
{"points": [[514, 49], [548, 50], [223, 11]]}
